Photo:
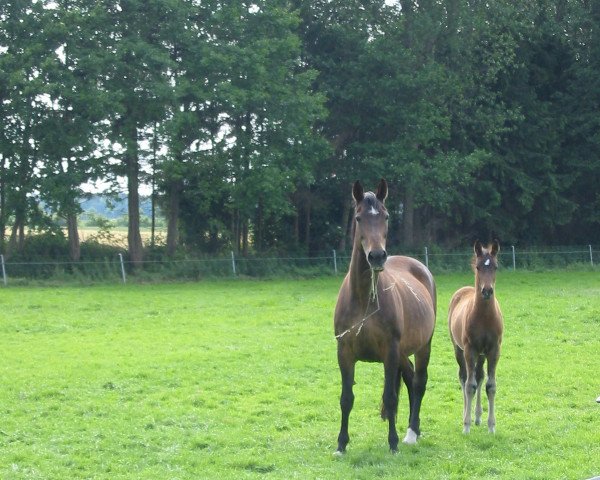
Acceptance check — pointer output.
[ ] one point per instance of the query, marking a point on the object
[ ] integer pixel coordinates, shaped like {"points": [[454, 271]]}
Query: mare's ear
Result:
{"points": [[478, 248], [358, 192], [495, 248], [382, 190]]}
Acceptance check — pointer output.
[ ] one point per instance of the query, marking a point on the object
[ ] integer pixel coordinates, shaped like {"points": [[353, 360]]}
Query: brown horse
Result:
{"points": [[385, 312], [476, 326]]}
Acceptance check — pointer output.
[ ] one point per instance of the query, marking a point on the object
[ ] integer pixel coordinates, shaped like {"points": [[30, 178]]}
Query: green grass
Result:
{"points": [[238, 379]]}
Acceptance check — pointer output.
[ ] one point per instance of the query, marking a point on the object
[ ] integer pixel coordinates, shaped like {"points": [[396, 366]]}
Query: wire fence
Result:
{"points": [[119, 269]]}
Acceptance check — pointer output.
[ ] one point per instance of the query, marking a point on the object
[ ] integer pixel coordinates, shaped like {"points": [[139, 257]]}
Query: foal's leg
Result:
{"points": [[462, 374], [347, 363], [419, 387], [490, 387], [479, 379], [470, 386], [391, 367]]}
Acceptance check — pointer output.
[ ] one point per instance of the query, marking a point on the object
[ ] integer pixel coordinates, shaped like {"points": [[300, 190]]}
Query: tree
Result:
{"points": [[69, 146], [23, 111], [134, 76]]}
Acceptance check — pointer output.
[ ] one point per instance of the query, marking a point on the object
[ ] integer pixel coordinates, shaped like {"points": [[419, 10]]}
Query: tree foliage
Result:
{"points": [[251, 119]]}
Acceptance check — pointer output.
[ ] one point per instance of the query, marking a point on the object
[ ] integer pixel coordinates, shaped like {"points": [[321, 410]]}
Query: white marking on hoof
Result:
{"points": [[410, 438], [466, 430], [492, 429], [338, 454]]}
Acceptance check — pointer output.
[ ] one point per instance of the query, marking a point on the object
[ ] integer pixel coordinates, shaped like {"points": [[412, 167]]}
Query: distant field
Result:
{"points": [[238, 379], [118, 236]]}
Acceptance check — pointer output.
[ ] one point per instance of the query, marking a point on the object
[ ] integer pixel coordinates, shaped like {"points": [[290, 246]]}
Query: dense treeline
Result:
{"points": [[251, 120]]}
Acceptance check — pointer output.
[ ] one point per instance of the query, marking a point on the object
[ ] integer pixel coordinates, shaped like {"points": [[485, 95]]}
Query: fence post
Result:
{"points": [[233, 263], [3, 270], [591, 257], [334, 262], [122, 268], [514, 258], [426, 258]]}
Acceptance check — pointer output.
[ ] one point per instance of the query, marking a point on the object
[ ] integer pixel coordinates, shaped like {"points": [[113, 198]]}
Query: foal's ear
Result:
{"points": [[358, 192], [495, 248], [478, 248], [382, 190]]}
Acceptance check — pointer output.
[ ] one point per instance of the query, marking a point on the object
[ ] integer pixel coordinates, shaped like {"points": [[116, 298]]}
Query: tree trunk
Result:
{"points": [[173, 223], [245, 237], [297, 226], [307, 212], [259, 227], [2, 204], [73, 233], [17, 235], [134, 238], [408, 219]]}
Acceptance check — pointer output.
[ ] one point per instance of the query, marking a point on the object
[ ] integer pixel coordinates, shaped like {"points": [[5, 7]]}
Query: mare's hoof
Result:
{"points": [[393, 450], [410, 438], [338, 453]]}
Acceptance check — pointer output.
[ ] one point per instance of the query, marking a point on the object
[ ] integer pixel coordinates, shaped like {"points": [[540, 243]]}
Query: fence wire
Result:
{"points": [[121, 269]]}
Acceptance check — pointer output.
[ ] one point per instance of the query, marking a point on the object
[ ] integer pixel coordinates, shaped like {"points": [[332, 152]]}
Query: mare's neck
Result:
{"points": [[360, 274]]}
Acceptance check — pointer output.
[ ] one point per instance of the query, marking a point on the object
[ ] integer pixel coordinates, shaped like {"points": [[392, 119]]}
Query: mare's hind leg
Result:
{"points": [[391, 367], [479, 379], [408, 373], [419, 386], [347, 363], [490, 387]]}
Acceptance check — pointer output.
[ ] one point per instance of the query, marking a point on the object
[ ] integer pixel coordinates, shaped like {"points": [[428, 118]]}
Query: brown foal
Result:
{"points": [[476, 326]]}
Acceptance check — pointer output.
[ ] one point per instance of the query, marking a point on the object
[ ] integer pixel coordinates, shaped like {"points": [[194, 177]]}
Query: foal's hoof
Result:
{"points": [[410, 438], [466, 430]]}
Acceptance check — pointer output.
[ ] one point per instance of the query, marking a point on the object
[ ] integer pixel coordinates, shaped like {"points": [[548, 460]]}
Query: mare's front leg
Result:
{"points": [[470, 386], [347, 364], [490, 387]]}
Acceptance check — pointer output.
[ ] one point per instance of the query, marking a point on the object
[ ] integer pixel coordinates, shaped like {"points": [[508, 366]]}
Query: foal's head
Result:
{"points": [[486, 264], [371, 223]]}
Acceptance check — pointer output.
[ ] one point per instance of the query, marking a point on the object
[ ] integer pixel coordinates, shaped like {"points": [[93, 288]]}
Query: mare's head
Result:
{"points": [[486, 264], [371, 223]]}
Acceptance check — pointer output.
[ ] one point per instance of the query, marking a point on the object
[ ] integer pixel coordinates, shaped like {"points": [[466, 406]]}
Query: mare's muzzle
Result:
{"points": [[376, 259]]}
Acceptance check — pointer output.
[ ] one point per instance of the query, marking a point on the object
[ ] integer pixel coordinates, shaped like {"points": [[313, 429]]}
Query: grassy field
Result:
{"points": [[238, 379]]}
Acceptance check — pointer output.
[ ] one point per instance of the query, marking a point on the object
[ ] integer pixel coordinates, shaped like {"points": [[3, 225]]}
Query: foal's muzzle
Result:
{"points": [[487, 293], [377, 259]]}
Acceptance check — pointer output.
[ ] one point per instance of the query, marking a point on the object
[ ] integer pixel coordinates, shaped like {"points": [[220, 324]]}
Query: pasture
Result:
{"points": [[239, 379]]}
